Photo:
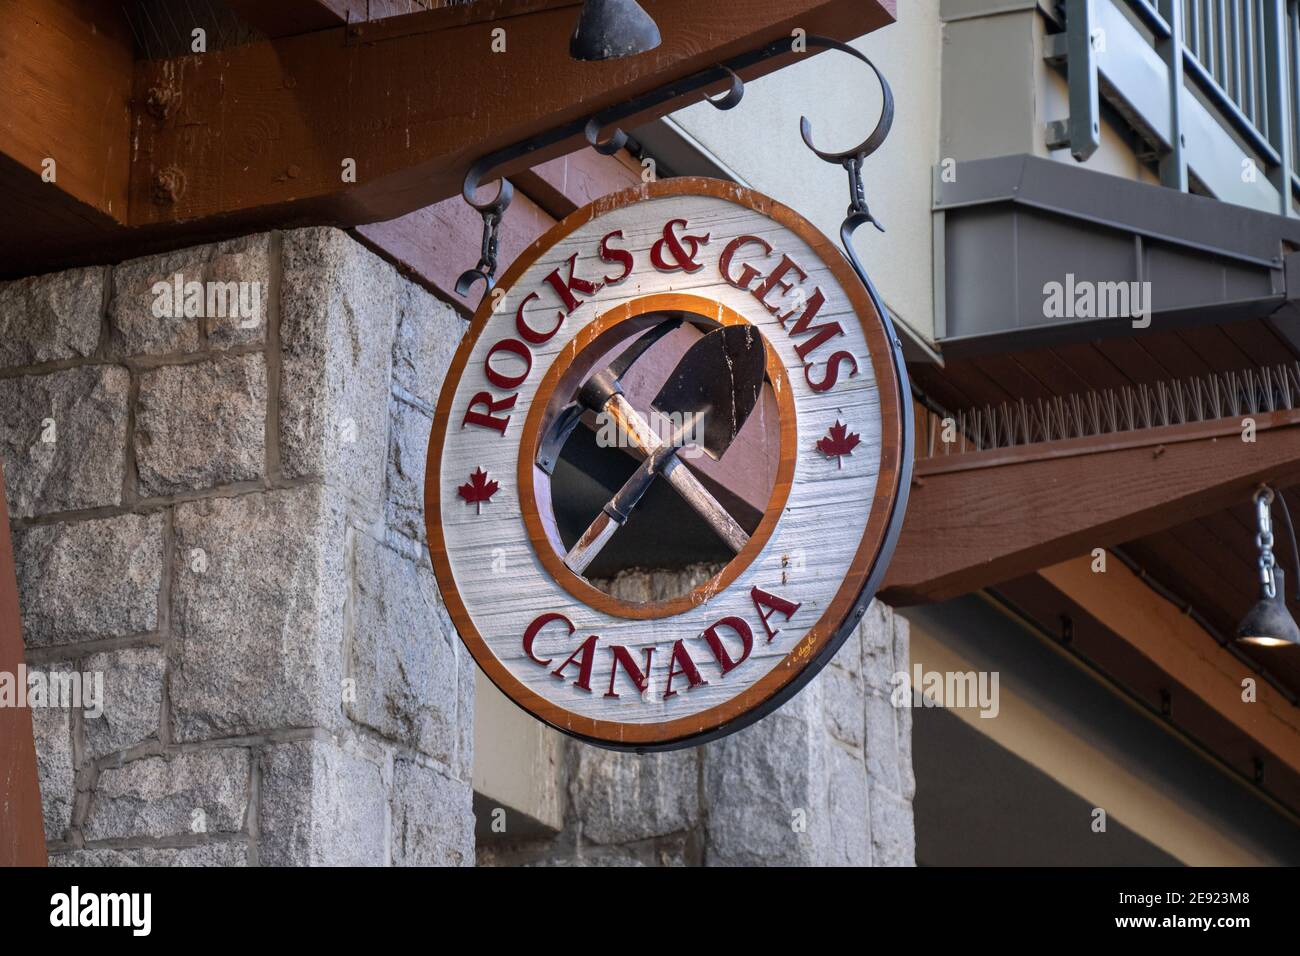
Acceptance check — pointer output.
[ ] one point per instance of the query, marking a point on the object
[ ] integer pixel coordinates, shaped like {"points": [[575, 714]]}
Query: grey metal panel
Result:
{"points": [[1152, 211], [980, 290], [1218, 161], [1012, 225], [1184, 279], [952, 11], [1133, 70]]}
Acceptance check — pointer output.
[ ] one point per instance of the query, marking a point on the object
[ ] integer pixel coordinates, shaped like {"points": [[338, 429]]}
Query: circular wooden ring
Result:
{"points": [[532, 492]]}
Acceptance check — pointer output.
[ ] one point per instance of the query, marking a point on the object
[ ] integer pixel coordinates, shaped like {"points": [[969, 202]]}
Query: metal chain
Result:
{"points": [[492, 212], [487, 262], [1264, 540], [857, 192]]}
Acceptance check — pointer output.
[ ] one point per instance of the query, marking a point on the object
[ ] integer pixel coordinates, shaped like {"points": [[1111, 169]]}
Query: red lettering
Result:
{"points": [[749, 273], [762, 599], [485, 419], [682, 656], [675, 253], [588, 652], [832, 372], [639, 677], [720, 650], [530, 635], [774, 281], [611, 255], [527, 332], [500, 380], [803, 326], [565, 288]]}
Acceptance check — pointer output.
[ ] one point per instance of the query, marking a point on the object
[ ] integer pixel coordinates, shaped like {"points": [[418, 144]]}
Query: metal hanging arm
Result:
{"points": [[590, 128], [852, 159]]}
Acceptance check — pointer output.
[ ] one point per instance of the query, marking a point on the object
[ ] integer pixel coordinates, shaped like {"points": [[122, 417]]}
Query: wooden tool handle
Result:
{"points": [[631, 423], [591, 543], [681, 477], [698, 497]]}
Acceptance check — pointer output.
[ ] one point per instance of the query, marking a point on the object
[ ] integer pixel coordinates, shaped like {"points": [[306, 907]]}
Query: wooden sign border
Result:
{"points": [[866, 570]]}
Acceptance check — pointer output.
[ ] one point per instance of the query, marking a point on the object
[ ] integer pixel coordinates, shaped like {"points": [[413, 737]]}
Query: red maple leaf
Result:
{"points": [[478, 490], [839, 441]]}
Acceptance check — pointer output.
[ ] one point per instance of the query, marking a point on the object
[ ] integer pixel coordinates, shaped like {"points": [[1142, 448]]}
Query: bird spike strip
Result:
{"points": [[1113, 410]]}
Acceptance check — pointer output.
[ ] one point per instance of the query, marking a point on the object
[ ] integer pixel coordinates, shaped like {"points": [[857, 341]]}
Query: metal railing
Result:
{"points": [[1241, 58], [1226, 38]]}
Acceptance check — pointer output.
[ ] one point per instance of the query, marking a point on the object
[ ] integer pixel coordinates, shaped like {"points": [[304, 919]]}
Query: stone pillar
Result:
{"points": [[222, 516]]}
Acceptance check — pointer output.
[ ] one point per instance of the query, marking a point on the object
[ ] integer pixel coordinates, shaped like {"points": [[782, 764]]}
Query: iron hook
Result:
{"points": [[733, 96], [610, 146], [878, 135]]}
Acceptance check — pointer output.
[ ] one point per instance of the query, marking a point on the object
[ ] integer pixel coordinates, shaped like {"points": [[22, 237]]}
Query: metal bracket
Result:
{"points": [[591, 126], [1082, 131]]}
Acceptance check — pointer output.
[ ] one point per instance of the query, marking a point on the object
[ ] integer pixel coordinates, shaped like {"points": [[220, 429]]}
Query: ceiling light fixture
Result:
{"points": [[1269, 623], [609, 29]]}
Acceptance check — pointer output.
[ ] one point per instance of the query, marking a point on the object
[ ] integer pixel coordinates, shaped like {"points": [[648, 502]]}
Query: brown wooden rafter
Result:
{"points": [[155, 153], [977, 519], [1209, 676], [280, 18]]}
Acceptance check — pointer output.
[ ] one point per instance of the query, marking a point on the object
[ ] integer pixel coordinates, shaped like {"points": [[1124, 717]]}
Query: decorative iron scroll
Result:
{"points": [[493, 210]]}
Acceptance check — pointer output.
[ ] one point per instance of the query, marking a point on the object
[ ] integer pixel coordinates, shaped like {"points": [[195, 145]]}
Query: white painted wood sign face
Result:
{"points": [[671, 673]]}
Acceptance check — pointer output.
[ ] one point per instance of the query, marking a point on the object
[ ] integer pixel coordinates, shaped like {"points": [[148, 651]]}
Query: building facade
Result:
{"points": [[217, 499]]}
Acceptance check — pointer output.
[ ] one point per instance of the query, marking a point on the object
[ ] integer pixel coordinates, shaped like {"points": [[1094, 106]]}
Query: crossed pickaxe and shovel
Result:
{"points": [[717, 382]]}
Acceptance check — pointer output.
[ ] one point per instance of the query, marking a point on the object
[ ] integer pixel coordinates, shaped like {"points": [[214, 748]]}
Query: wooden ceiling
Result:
{"points": [[1209, 562], [1105, 363], [1205, 566], [305, 115]]}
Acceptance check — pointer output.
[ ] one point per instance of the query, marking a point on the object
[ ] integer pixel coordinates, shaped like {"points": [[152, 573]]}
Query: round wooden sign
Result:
{"points": [[687, 379]]}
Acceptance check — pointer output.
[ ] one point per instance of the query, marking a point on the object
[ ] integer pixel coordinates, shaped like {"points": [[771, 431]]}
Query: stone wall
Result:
{"points": [[825, 780], [223, 516]]}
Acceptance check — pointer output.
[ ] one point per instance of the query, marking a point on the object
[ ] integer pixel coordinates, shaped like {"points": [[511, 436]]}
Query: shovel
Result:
{"points": [[718, 380]]}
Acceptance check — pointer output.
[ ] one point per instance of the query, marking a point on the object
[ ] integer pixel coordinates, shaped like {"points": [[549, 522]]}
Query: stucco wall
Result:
{"points": [[760, 141]]}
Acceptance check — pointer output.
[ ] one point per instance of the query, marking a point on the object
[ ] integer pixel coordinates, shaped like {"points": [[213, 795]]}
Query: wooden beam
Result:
{"points": [[208, 146], [570, 182], [434, 245], [288, 17], [977, 519], [22, 830], [66, 73], [1173, 642], [260, 133]]}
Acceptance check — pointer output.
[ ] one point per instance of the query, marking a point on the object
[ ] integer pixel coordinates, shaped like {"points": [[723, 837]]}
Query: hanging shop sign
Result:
{"points": [[687, 334]]}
